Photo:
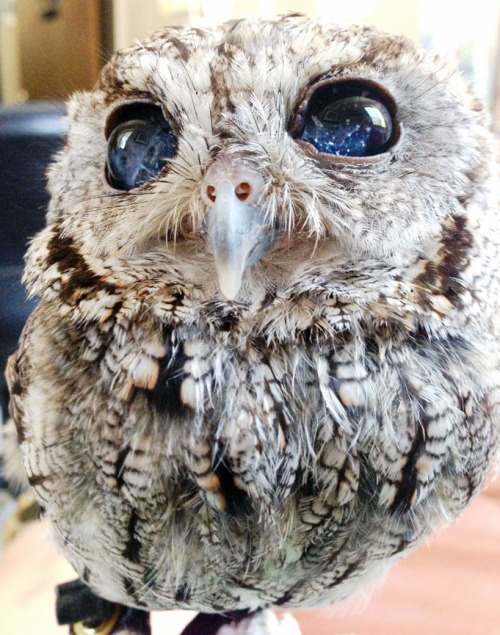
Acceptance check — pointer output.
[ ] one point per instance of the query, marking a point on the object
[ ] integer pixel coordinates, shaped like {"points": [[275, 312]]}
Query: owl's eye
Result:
{"points": [[140, 140], [351, 118]]}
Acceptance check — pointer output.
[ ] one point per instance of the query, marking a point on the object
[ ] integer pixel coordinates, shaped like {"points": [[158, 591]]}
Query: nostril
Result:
{"points": [[242, 191], [211, 193], [226, 180]]}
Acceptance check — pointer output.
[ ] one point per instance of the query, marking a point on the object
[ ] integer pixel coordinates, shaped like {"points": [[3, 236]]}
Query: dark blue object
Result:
{"points": [[138, 148], [30, 134], [347, 119]]}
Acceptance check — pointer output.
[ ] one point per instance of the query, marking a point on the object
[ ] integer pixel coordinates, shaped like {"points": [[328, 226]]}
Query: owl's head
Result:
{"points": [[265, 152]]}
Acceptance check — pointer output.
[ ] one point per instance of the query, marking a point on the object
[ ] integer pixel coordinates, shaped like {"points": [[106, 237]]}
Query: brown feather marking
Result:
{"points": [[457, 242], [183, 49], [64, 254], [442, 276]]}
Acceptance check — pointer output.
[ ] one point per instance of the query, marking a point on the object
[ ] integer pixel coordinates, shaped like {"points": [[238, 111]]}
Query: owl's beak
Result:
{"points": [[237, 230]]}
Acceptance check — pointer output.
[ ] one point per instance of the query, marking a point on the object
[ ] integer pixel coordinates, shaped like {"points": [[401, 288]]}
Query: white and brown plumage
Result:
{"points": [[271, 412]]}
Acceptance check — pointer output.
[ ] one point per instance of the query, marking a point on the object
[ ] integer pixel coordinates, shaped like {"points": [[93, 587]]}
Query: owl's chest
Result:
{"points": [[248, 426], [171, 436]]}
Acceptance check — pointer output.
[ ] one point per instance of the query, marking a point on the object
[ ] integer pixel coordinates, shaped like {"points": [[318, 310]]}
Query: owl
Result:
{"points": [[265, 360]]}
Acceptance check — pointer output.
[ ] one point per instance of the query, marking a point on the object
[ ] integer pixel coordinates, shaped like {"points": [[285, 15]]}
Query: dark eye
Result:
{"points": [[139, 143], [350, 118]]}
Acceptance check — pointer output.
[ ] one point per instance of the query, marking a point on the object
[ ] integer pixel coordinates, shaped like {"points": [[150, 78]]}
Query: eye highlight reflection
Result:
{"points": [[349, 118], [139, 145]]}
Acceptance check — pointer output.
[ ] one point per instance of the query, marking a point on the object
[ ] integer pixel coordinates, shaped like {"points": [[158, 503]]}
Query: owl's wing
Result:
{"points": [[11, 453]]}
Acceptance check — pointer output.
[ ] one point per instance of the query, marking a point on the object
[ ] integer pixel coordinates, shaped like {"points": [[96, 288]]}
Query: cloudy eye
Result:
{"points": [[140, 141], [350, 118]]}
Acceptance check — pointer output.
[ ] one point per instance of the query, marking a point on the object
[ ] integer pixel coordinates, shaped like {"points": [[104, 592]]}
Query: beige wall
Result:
{"points": [[10, 59], [59, 55], [133, 20]]}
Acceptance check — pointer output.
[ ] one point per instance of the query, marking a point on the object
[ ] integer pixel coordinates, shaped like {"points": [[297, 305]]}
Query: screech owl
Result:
{"points": [[265, 360]]}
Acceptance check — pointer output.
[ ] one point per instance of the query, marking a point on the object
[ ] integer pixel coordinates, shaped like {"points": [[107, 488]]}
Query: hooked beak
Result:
{"points": [[237, 230]]}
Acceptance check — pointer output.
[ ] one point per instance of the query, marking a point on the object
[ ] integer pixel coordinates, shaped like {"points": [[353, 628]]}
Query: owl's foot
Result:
{"points": [[87, 613]]}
